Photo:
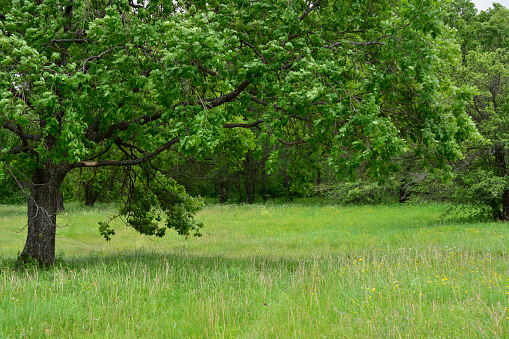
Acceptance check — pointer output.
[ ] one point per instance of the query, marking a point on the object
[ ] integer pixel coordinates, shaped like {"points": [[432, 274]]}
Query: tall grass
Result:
{"points": [[264, 271]]}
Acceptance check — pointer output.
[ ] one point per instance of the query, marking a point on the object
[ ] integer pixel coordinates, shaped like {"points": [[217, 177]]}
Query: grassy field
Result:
{"points": [[263, 271]]}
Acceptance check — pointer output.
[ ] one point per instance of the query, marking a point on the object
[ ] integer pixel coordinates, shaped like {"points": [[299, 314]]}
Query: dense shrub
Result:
{"points": [[359, 192]]}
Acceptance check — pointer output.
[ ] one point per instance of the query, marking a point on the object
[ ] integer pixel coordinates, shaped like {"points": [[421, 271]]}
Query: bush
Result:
{"points": [[359, 192]]}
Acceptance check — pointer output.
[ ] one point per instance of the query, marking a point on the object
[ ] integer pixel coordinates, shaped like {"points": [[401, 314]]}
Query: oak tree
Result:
{"points": [[88, 84]]}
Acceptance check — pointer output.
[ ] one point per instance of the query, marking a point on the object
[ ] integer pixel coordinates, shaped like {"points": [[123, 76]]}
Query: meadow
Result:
{"points": [[263, 271]]}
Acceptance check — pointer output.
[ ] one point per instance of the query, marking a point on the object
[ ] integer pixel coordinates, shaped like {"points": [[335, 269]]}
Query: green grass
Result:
{"points": [[263, 271]]}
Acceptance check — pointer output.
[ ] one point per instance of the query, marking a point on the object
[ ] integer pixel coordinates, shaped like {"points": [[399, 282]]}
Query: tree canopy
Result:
{"points": [[118, 83]]}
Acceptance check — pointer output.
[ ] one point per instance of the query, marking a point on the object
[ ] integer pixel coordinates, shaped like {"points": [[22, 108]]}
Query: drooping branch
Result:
{"points": [[253, 124], [127, 162]]}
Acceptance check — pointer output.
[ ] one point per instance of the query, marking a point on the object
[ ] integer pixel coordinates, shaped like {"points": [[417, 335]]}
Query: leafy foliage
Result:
{"points": [[149, 195], [482, 181], [113, 83]]}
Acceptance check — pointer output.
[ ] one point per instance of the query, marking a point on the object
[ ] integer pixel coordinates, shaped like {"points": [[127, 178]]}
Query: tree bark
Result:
{"points": [[223, 189], [403, 191], [248, 189], [249, 177], [500, 160], [91, 194], [287, 185], [264, 183], [60, 203], [505, 205], [90, 191], [238, 186], [42, 210]]}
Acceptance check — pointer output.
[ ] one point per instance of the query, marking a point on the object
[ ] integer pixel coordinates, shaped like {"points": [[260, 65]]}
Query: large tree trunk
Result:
{"points": [[42, 210]]}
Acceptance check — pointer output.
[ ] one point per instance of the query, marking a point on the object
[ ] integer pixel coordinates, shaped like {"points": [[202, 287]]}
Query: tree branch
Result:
{"points": [[119, 141], [373, 42], [253, 124], [98, 155], [132, 4], [291, 37], [19, 95], [123, 125], [229, 96], [255, 50], [309, 10], [95, 57], [18, 149], [80, 41], [265, 103], [11, 127], [26, 145], [127, 162], [291, 143], [290, 64], [202, 68]]}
